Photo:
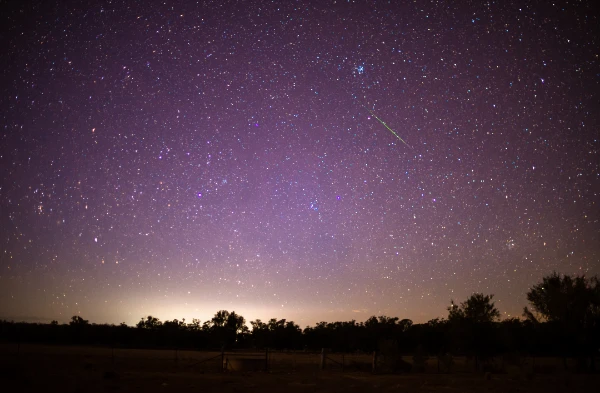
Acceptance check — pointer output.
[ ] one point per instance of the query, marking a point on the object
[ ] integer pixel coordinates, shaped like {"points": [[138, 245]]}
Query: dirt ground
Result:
{"points": [[36, 368]]}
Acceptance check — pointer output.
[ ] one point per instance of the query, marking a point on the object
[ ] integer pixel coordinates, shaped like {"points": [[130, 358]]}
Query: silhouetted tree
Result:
{"points": [[516, 336], [225, 327], [175, 324], [260, 334], [78, 329], [236, 323], [171, 332], [433, 336], [472, 325], [76, 320], [405, 324], [280, 334], [195, 326], [150, 322], [564, 311], [220, 318], [478, 308], [571, 305]]}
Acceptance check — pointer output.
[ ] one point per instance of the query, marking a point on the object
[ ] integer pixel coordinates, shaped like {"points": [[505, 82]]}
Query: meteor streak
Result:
{"points": [[360, 70], [386, 126]]}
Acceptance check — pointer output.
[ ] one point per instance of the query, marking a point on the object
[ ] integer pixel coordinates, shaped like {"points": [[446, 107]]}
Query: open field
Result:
{"points": [[41, 368]]}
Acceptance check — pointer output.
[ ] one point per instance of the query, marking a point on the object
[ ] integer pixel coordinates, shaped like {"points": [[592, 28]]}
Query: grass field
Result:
{"points": [[39, 368]]}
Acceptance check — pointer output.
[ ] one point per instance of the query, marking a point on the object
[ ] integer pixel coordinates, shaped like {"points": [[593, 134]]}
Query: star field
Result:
{"points": [[177, 158]]}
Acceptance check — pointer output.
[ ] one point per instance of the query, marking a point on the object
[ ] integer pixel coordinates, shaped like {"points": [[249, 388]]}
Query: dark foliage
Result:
{"points": [[570, 307], [566, 323], [473, 327]]}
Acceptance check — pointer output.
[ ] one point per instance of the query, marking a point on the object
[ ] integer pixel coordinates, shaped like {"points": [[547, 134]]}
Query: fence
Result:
{"points": [[174, 360]]}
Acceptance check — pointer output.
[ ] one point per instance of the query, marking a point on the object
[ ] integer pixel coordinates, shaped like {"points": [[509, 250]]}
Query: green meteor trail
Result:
{"points": [[386, 126]]}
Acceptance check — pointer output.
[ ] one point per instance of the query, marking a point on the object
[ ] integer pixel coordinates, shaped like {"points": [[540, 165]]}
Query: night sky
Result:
{"points": [[307, 160]]}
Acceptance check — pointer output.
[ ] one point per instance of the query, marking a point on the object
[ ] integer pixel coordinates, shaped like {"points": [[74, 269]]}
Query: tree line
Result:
{"points": [[563, 319]]}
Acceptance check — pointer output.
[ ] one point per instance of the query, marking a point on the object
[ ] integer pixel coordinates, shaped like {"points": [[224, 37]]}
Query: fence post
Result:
{"points": [[322, 358], [374, 361], [223, 360], [343, 362], [266, 359]]}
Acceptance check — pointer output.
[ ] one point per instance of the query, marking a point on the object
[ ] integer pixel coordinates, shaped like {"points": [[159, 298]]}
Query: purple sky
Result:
{"points": [[177, 158]]}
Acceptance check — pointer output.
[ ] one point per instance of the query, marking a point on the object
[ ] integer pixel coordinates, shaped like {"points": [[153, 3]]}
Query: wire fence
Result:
{"points": [[176, 360]]}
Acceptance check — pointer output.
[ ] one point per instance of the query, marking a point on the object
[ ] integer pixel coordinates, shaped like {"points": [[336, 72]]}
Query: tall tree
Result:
{"points": [[220, 318], [226, 327], [195, 326], [149, 323], [76, 320], [236, 323], [478, 308], [571, 305], [472, 324]]}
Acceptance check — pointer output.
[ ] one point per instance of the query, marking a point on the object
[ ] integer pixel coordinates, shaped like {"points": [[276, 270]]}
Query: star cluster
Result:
{"points": [[176, 158]]}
